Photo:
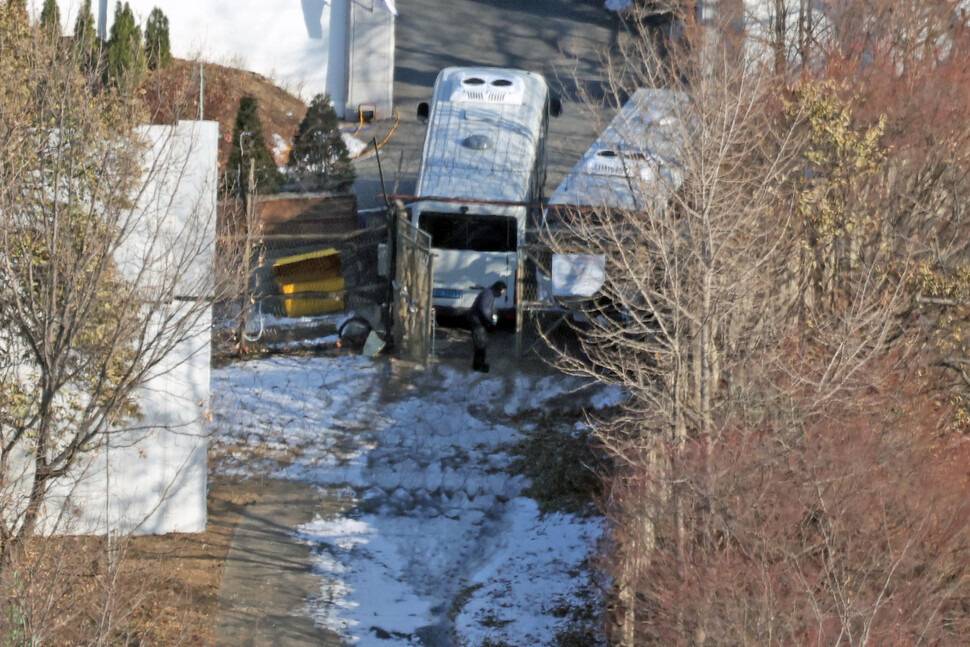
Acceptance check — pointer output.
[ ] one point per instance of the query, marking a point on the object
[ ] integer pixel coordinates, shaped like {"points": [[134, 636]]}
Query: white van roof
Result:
{"points": [[484, 134], [634, 160]]}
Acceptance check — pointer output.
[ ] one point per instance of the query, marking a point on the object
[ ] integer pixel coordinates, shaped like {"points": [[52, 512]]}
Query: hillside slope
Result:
{"points": [[173, 93]]}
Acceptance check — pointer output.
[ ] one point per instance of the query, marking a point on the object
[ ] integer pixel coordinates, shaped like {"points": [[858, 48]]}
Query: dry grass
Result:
{"points": [[187, 570], [164, 590], [565, 470]]}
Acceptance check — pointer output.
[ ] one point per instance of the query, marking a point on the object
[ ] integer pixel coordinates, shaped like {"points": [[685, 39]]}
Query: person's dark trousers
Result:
{"points": [[480, 345]]}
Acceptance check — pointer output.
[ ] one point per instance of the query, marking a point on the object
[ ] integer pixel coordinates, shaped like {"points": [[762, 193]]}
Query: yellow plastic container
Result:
{"points": [[321, 264], [312, 306], [321, 285], [308, 273]]}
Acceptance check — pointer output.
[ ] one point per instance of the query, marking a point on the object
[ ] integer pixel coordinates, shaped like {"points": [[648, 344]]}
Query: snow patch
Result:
{"points": [[281, 148], [618, 5], [295, 323], [525, 592], [292, 418], [305, 344], [354, 146], [608, 396], [344, 552], [525, 399]]}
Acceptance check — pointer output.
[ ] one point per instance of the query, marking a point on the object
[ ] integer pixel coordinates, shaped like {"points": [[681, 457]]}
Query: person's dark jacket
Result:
{"points": [[483, 310]]}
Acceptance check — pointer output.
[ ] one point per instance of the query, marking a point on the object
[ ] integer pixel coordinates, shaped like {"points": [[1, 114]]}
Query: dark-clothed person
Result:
{"points": [[483, 318]]}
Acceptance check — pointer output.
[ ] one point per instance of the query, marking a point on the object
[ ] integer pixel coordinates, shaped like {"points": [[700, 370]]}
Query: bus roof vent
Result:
{"points": [[632, 163], [476, 142], [493, 88]]}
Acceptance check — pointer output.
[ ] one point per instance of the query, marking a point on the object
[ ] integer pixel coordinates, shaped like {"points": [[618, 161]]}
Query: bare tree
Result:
{"points": [[240, 254], [907, 65], [99, 279], [753, 314], [693, 274]]}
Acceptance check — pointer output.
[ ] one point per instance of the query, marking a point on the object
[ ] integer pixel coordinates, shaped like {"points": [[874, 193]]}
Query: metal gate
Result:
{"points": [[413, 278]]}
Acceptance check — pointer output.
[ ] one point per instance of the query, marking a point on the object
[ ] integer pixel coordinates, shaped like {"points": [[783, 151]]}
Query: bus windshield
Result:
{"points": [[473, 232]]}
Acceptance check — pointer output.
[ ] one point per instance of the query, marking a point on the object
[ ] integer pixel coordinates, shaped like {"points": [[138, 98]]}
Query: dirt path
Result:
{"points": [[268, 577]]}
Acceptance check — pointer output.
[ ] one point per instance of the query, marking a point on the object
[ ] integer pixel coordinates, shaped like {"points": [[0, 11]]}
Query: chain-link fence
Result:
{"points": [[308, 257], [286, 260], [358, 267]]}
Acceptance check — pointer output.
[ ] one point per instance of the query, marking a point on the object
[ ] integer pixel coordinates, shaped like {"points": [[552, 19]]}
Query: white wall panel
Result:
{"points": [[370, 76], [150, 476]]}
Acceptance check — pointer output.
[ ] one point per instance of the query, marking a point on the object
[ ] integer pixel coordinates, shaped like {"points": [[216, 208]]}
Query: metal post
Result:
{"points": [[393, 216], [429, 305], [380, 170], [249, 207], [519, 299]]}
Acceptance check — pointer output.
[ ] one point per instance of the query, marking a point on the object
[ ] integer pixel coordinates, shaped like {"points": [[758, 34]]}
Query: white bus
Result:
{"points": [[634, 161], [634, 165], [484, 148]]}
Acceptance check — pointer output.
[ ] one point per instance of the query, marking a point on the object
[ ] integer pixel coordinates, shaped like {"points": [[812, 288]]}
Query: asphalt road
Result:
{"points": [[268, 577], [563, 39]]}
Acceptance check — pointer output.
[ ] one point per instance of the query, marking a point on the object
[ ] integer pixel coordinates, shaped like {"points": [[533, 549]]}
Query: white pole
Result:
{"points": [[103, 19], [107, 497]]}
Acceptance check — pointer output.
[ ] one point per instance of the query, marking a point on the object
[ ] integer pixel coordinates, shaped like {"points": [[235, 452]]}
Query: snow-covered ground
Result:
{"points": [[441, 545], [354, 146], [259, 319], [618, 5]]}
